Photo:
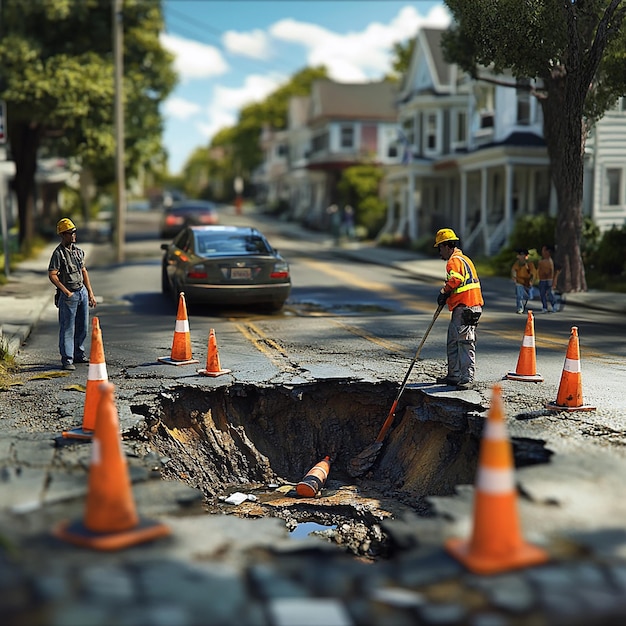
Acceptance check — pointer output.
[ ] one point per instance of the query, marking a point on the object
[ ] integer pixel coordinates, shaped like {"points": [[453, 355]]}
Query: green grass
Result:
{"points": [[8, 366]]}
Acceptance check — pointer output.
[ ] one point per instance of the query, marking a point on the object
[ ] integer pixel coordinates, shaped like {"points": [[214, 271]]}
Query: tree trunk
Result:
{"points": [[565, 135], [24, 145]]}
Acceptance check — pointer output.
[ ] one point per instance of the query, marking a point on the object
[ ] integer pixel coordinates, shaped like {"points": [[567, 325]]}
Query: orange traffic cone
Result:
{"points": [[110, 521], [213, 366], [314, 479], [496, 544], [181, 345], [96, 375], [526, 369], [570, 394]]}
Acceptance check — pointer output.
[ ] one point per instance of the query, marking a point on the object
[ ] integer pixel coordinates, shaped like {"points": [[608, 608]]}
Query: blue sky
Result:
{"points": [[232, 52]]}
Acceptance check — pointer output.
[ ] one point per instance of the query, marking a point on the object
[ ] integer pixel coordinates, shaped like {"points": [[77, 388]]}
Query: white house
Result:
{"points": [[474, 158]]}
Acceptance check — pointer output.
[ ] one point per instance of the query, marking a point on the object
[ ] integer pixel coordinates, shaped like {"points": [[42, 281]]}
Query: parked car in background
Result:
{"points": [[187, 213], [225, 265]]}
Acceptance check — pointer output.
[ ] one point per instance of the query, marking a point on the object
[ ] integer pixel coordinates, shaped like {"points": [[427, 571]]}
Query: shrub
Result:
{"points": [[607, 257]]}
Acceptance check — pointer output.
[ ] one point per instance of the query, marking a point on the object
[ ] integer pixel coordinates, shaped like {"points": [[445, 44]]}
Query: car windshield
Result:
{"points": [[223, 244]]}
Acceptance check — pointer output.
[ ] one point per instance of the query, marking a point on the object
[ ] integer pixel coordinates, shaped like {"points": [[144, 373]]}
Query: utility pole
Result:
{"points": [[120, 179]]}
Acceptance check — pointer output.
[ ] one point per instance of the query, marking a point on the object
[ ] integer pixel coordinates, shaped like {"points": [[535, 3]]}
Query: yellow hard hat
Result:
{"points": [[65, 224], [445, 234]]}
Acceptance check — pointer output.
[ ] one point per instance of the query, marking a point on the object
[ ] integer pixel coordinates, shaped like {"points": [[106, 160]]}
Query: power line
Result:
{"points": [[203, 26]]}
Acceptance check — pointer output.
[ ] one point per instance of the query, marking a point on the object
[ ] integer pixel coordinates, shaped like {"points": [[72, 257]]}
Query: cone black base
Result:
{"points": [[78, 433], [170, 361], [78, 534]]}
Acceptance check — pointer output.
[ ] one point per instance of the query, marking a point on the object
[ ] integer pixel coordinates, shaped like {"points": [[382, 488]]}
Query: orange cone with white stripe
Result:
{"points": [[96, 375], [314, 479], [181, 345], [526, 369], [213, 365], [496, 544], [110, 521], [570, 394]]}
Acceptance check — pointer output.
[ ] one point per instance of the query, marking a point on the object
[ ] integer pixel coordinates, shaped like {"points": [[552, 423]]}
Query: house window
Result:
{"points": [[485, 106], [408, 127], [431, 132], [320, 143], [347, 136], [613, 184], [459, 137], [523, 102]]}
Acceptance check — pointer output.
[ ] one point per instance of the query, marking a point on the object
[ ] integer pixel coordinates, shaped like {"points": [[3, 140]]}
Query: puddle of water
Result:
{"points": [[306, 528]]}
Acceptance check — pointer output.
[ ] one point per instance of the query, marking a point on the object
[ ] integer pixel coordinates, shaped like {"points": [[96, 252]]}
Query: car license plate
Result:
{"points": [[240, 273]]}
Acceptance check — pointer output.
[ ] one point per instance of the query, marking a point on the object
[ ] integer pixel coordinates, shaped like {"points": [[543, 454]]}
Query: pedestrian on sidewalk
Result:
{"points": [[463, 294], [74, 296], [523, 273], [348, 222], [548, 275]]}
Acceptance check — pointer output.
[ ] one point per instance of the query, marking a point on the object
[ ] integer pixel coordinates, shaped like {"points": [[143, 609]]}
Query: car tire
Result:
{"points": [[273, 307]]}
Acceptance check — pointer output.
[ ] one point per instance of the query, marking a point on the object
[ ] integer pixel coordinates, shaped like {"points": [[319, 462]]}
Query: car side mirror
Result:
{"points": [[165, 246]]}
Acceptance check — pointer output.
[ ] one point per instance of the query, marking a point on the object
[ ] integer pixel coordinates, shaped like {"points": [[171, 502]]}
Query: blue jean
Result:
{"points": [[522, 295], [73, 321], [545, 293]]}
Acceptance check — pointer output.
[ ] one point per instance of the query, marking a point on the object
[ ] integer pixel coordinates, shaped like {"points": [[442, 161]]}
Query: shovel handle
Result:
{"points": [[394, 406]]}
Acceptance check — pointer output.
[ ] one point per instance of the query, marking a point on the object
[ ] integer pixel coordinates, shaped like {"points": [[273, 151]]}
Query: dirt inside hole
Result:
{"points": [[261, 440]]}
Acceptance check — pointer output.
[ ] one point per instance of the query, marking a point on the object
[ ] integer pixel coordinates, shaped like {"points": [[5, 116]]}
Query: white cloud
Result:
{"points": [[357, 56], [180, 108], [226, 102], [254, 44], [194, 60]]}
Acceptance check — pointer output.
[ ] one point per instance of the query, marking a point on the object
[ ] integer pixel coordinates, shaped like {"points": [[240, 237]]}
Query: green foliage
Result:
{"points": [[401, 58], [358, 186], [242, 152], [56, 75], [608, 256]]}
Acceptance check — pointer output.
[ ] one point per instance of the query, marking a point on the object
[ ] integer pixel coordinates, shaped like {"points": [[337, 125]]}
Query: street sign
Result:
{"points": [[3, 121]]}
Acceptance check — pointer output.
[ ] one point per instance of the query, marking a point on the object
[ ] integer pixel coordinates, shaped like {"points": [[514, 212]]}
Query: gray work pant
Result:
{"points": [[461, 347]]}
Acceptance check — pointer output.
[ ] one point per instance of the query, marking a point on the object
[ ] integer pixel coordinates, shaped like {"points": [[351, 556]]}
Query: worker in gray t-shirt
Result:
{"points": [[67, 272]]}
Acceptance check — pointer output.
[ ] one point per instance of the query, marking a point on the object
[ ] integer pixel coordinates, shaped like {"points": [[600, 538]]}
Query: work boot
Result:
{"points": [[444, 380]]}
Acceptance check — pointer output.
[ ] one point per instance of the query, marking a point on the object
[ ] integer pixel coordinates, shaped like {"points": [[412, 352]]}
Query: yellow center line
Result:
{"points": [[263, 343]]}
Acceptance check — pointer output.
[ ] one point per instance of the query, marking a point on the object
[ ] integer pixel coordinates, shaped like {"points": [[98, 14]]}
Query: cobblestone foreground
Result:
{"points": [[219, 569]]}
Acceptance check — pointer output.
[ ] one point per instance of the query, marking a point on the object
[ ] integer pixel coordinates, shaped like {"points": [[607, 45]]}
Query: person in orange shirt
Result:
{"points": [[523, 274], [548, 274], [463, 295]]}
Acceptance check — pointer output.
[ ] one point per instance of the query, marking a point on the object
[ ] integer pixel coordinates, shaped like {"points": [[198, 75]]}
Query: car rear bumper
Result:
{"points": [[237, 294]]}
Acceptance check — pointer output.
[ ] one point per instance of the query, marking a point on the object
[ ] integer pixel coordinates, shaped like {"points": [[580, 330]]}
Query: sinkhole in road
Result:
{"points": [[261, 440]]}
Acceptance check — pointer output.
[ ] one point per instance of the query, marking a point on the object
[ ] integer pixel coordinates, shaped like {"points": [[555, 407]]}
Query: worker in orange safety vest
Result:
{"points": [[463, 295]]}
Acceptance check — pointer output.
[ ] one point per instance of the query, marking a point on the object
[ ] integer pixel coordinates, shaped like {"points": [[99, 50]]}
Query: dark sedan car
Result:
{"points": [[187, 213], [225, 265]]}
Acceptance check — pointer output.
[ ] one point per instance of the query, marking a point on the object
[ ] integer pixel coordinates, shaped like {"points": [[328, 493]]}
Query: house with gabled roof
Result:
{"points": [[474, 159], [337, 126]]}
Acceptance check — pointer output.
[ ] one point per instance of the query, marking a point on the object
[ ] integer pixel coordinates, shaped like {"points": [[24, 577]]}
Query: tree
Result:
{"points": [[56, 76], [401, 59], [242, 141], [575, 50]]}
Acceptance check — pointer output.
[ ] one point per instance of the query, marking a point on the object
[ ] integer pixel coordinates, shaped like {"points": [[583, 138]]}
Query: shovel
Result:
{"points": [[365, 459]]}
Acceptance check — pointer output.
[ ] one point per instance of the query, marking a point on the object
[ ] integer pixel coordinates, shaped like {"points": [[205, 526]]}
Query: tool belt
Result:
{"points": [[470, 317]]}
